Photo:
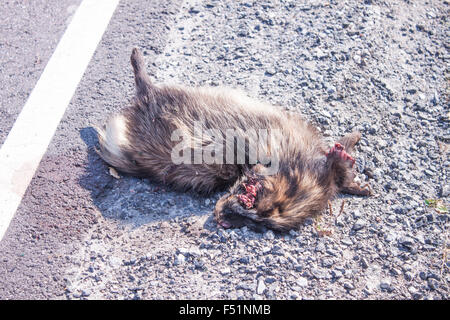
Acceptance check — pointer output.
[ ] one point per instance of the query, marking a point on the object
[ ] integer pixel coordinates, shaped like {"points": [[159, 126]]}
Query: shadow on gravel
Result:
{"points": [[137, 201]]}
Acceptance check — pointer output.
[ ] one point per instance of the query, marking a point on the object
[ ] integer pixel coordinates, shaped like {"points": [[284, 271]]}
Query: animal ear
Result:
{"points": [[144, 86], [339, 166], [349, 141]]}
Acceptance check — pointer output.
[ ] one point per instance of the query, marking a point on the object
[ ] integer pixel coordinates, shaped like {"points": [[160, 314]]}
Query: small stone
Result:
{"points": [[244, 286], [164, 225], [277, 250], [385, 284], [406, 242], [356, 214], [225, 271], [270, 280], [408, 276], [194, 10], [347, 241], [183, 251], [340, 221], [270, 71], [85, 293], [261, 286], [382, 143], [244, 260], [391, 236], [445, 191], [115, 262], [435, 99], [412, 290], [327, 262], [371, 285], [377, 174], [348, 273], [331, 89], [293, 233], [359, 224], [337, 274], [411, 90], [320, 54], [432, 275], [320, 247], [319, 274], [269, 235], [179, 259], [364, 263], [349, 286], [395, 272], [244, 231], [302, 282], [233, 235], [195, 252], [399, 209], [129, 262], [433, 284]]}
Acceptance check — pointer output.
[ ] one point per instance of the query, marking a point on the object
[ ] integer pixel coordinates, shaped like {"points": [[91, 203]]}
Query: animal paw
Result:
{"points": [[358, 190]]}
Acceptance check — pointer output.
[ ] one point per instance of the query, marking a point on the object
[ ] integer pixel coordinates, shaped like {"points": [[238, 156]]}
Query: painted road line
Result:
{"points": [[35, 126]]}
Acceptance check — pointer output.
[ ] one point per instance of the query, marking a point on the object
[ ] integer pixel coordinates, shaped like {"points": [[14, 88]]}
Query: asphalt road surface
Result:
{"points": [[81, 233], [57, 209]]}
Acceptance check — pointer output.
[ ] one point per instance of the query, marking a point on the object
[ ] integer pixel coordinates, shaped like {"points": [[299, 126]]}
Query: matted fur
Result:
{"points": [[138, 141]]}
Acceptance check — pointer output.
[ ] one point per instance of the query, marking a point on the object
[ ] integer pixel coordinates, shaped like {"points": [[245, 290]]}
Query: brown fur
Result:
{"points": [[138, 141]]}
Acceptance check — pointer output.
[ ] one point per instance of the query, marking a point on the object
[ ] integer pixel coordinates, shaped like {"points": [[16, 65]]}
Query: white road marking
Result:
{"points": [[35, 126]]}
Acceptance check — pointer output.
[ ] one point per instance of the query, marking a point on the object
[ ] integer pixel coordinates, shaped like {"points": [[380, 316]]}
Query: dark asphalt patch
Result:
{"points": [[29, 33]]}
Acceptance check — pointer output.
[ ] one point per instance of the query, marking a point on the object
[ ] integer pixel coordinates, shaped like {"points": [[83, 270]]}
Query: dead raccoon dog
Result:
{"points": [[168, 132]]}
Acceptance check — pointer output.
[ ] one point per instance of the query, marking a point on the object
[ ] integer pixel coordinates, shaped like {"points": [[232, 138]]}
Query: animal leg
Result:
{"points": [[349, 140], [144, 86]]}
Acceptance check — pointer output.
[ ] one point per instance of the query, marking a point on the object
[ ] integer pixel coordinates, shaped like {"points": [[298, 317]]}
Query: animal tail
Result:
{"points": [[114, 144]]}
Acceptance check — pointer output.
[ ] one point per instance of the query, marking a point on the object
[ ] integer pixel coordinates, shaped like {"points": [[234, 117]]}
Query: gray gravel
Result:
{"points": [[375, 66]]}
